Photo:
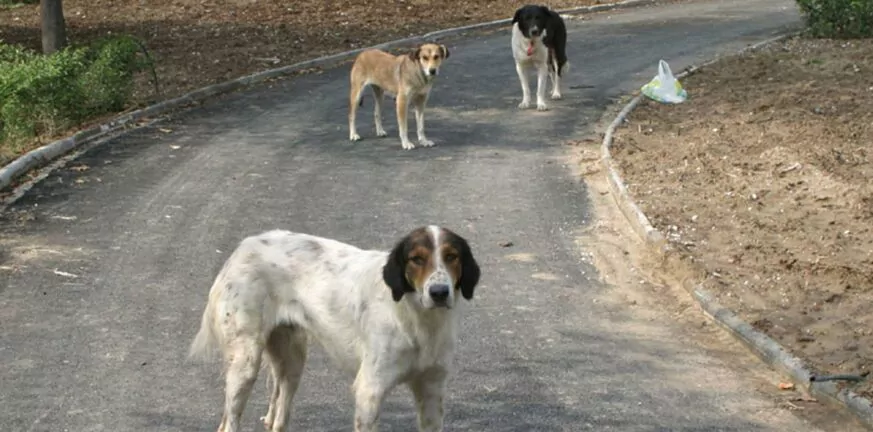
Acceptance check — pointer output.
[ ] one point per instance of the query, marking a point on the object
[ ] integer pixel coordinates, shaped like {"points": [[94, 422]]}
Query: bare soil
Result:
{"points": [[197, 43], [763, 182]]}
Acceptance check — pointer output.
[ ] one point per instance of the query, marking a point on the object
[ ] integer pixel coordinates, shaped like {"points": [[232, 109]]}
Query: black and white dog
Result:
{"points": [[539, 39]]}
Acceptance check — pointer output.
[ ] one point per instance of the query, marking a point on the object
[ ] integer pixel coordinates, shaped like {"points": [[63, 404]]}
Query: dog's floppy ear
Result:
{"points": [[445, 51], [394, 272], [517, 17], [415, 54], [469, 267]]}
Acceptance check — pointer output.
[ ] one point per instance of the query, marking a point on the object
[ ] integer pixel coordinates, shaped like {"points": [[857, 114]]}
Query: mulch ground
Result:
{"points": [[763, 182]]}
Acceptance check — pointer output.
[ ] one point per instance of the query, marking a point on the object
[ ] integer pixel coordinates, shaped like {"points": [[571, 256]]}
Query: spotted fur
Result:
{"points": [[390, 318]]}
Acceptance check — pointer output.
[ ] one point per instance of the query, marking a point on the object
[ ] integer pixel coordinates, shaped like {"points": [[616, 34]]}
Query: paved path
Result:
{"points": [[147, 227]]}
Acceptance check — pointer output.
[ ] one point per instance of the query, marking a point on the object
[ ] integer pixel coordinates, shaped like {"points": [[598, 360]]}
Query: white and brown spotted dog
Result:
{"points": [[409, 77], [389, 317]]}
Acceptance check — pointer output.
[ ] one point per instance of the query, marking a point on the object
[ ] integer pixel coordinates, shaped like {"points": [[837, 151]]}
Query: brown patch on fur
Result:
{"points": [[451, 258], [421, 259]]}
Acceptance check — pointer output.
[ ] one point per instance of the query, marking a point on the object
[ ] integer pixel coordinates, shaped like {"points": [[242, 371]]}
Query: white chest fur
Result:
{"points": [[527, 50]]}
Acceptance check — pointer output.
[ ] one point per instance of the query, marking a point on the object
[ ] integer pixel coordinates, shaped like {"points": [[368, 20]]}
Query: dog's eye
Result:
{"points": [[451, 257], [417, 260]]}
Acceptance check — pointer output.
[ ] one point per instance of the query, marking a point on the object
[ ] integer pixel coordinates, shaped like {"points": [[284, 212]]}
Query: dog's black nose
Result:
{"points": [[535, 32], [433, 71], [439, 293]]}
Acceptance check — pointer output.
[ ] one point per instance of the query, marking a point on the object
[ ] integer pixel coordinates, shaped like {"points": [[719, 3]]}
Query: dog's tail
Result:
{"points": [[206, 343], [563, 69], [558, 62]]}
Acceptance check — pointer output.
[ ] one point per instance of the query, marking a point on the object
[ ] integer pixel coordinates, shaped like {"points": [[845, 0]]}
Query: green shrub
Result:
{"points": [[45, 94], [40, 94], [12, 3], [838, 18], [108, 78]]}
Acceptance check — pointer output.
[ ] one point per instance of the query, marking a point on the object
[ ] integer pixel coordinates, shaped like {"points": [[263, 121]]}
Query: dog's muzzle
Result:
{"points": [[440, 294], [534, 31]]}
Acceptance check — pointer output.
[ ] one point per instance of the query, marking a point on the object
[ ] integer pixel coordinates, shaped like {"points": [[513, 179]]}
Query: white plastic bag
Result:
{"points": [[664, 87]]}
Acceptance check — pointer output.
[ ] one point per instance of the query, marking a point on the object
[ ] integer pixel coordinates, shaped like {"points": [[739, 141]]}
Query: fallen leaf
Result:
{"points": [[803, 399], [786, 386], [80, 168], [65, 274]]}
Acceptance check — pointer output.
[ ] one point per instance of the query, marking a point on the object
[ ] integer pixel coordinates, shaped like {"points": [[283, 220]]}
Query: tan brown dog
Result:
{"points": [[409, 77]]}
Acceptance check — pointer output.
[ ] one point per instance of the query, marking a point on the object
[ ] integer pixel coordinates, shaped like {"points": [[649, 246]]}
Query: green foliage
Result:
{"points": [[838, 18], [45, 94], [108, 78], [16, 3]]}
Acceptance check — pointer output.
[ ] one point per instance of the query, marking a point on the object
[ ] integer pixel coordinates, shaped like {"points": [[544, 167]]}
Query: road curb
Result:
{"points": [[767, 349], [41, 156]]}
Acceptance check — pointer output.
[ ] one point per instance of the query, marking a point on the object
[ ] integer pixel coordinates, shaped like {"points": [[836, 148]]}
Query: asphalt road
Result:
{"points": [[106, 270]]}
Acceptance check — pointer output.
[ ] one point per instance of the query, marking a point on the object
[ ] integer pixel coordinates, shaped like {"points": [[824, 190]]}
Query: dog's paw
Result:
{"points": [[407, 145], [541, 106], [525, 104], [354, 137], [381, 133], [268, 424], [557, 96], [426, 142]]}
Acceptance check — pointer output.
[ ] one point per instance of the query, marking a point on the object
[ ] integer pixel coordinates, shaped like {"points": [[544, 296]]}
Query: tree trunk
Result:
{"points": [[54, 29]]}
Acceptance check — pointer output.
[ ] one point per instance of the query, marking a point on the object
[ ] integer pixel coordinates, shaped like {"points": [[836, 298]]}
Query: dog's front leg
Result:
{"points": [[525, 86], [402, 109], [428, 392], [369, 394], [418, 103], [542, 76]]}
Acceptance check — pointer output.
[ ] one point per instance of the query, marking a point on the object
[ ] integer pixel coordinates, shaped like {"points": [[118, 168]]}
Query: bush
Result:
{"points": [[108, 78], [17, 2], [44, 94], [838, 18]]}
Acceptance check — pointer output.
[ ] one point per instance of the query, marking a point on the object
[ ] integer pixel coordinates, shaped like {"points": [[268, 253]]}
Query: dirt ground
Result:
{"points": [[763, 181], [197, 43]]}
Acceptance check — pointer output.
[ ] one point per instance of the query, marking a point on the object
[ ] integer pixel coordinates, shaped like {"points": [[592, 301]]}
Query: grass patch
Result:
{"points": [[43, 95]]}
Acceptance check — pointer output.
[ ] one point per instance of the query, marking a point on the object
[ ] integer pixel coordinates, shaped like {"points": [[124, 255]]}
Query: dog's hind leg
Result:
{"points": [[286, 349], [274, 394], [525, 86], [354, 99], [418, 104], [556, 77], [244, 361], [378, 93]]}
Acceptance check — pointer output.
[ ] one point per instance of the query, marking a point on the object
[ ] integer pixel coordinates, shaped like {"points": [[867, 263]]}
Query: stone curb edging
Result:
{"points": [[766, 348], [43, 155]]}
